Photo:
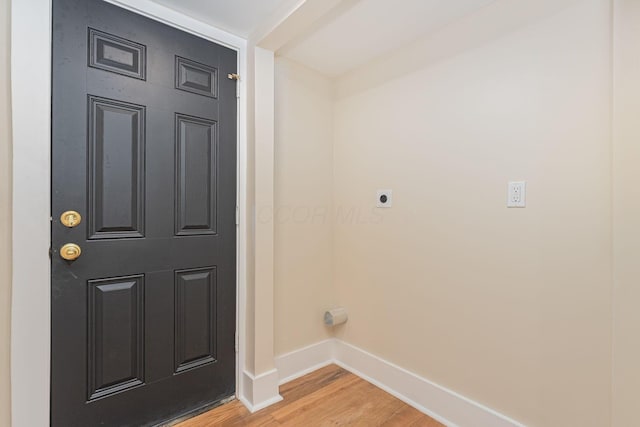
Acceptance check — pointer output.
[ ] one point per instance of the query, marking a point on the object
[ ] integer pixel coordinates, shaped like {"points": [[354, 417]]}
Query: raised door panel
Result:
{"points": [[196, 155], [195, 318], [115, 335], [116, 169], [197, 78], [117, 55]]}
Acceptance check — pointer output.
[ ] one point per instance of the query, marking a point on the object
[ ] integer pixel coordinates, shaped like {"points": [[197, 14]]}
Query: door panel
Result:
{"points": [[116, 188], [195, 318], [196, 149], [197, 78], [116, 331], [144, 148], [112, 53]]}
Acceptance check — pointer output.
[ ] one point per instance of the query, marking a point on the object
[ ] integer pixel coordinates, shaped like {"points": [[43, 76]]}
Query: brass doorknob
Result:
{"points": [[70, 219], [70, 251]]}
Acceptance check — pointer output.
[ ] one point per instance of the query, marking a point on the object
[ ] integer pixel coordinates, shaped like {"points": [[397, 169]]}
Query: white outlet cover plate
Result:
{"points": [[389, 201], [517, 194]]}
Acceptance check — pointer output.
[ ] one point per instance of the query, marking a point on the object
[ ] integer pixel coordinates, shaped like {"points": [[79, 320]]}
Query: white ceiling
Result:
{"points": [[372, 28], [239, 17], [363, 31]]}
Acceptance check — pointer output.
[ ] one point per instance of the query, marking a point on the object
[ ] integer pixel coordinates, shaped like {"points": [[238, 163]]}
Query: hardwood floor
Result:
{"points": [[330, 396]]}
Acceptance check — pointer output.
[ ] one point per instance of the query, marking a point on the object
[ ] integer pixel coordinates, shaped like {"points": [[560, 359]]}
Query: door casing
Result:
{"points": [[31, 284]]}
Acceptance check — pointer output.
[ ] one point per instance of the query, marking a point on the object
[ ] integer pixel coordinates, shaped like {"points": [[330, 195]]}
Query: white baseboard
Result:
{"points": [[446, 406], [260, 391], [305, 360], [440, 403]]}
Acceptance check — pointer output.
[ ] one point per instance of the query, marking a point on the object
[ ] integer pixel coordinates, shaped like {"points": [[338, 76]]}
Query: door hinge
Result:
{"points": [[236, 77], [237, 215], [237, 342]]}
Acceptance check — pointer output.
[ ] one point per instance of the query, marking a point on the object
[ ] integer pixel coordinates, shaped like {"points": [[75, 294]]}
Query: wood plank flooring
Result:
{"points": [[329, 396]]}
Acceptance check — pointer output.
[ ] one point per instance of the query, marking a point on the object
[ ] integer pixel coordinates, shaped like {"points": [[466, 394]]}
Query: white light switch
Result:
{"points": [[517, 194], [384, 198]]}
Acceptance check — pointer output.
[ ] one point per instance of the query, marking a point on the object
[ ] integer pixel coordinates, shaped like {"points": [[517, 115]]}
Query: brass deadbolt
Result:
{"points": [[70, 252], [70, 219]]}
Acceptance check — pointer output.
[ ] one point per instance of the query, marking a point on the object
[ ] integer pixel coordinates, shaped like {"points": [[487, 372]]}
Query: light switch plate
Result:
{"points": [[517, 194], [384, 198]]}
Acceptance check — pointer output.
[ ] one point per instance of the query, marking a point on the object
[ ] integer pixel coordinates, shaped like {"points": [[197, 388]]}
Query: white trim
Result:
{"points": [[175, 19], [260, 391], [263, 231], [446, 406], [31, 105], [31, 100], [305, 360], [440, 403], [255, 408]]}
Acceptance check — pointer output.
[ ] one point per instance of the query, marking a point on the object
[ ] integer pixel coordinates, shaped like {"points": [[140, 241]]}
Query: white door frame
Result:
{"points": [[31, 110]]}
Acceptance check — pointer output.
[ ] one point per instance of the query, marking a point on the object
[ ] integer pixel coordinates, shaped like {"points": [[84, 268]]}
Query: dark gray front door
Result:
{"points": [[144, 150]]}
